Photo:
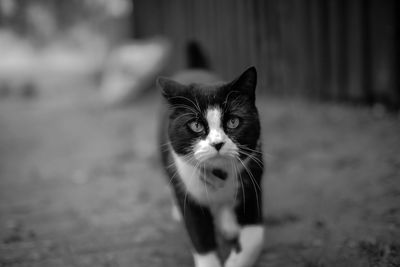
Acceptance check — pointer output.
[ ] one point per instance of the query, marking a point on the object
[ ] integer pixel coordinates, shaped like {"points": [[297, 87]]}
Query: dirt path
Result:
{"points": [[80, 185]]}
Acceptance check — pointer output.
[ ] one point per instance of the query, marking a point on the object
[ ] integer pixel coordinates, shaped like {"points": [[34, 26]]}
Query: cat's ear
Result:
{"points": [[169, 88], [246, 82]]}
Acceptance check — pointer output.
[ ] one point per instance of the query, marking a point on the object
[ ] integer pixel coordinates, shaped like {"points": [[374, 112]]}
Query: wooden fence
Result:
{"points": [[322, 49]]}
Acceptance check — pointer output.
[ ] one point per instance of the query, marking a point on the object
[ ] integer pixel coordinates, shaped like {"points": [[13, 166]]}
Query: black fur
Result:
{"points": [[236, 98]]}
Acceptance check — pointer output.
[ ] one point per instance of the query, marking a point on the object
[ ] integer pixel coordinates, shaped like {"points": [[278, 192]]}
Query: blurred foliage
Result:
{"points": [[42, 20]]}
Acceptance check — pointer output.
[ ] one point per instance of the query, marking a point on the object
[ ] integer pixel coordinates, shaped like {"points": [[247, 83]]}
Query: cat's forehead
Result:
{"points": [[208, 95]]}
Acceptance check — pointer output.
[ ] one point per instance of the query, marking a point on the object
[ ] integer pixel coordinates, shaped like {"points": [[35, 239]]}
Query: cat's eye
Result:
{"points": [[232, 123], [196, 126]]}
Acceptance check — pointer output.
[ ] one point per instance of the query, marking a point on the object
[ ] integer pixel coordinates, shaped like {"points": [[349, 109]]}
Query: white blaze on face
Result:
{"points": [[216, 134], [204, 149], [209, 158]]}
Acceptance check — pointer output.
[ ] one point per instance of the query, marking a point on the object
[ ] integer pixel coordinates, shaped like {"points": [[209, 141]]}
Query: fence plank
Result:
{"points": [[328, 50]]}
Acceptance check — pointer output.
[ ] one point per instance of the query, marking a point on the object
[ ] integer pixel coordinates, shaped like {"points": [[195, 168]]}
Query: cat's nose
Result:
{"points": [[218, 145]]}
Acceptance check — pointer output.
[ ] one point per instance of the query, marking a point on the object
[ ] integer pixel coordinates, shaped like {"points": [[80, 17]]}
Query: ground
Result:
{"points": [[80, 184]]}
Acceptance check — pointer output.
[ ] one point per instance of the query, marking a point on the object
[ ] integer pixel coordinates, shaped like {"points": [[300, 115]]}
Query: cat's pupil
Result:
{"points": [[196, 126], [233, 123]]}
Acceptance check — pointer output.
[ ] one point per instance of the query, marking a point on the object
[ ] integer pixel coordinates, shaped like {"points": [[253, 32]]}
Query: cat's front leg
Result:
{"points": [[200, 227], [251, 240], [209, 259]]}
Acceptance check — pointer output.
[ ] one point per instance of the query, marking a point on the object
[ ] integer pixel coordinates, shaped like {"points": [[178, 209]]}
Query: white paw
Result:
{"points": [[232, 261], [251, 241], [206, 260]]}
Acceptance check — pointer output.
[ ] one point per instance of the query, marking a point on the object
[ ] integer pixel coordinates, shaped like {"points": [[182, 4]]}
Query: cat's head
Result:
{"points": [[209, 122]]}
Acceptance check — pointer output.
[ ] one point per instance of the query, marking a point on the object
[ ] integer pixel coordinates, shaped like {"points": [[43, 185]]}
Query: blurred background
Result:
{"points": [[80, 180]]}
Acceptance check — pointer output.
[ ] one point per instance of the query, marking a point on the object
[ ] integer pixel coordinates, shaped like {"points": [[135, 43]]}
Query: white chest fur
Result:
{"points": [[200, 190], [221, 200], [218, 194]]}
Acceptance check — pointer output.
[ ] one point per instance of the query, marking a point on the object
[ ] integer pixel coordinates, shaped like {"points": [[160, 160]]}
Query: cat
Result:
{"points": [[211, 151]]}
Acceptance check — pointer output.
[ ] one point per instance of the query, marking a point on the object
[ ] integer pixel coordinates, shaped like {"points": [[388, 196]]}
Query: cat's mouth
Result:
{"points": [[214, 177], [221, 174]]}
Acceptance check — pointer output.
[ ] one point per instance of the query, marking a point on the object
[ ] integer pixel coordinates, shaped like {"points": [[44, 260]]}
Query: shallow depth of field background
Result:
{"points": [[80, 179]]}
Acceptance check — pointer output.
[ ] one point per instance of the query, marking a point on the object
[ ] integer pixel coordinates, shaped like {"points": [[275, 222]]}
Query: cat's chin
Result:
{"points": [[218, 159]]}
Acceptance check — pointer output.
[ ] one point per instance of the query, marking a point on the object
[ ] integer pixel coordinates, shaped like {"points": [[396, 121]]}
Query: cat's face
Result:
{"points": [[209, 123]]}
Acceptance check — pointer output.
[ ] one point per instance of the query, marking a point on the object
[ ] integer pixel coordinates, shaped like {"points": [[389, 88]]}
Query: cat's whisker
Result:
{"points": [[171, 165], [184, 203], [205, 182], [254, 182], [235, 179], [269, 155], [253, 158], [250, 174], [226, 107], [201, 156], [231, 152], [228, 95], [185, 158], [193, 110], [165, 144], [250, 149], [243, 190], [165, 147], [185, 114], [258, 161], [185, 98], [197, 104], [234, 101], [252, 152], [173, 177], [186, 191], [191, 101], [184, 106]]}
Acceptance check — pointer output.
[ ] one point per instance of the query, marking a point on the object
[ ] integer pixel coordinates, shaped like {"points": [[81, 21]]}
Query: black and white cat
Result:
{"points": [[211, 151]]}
